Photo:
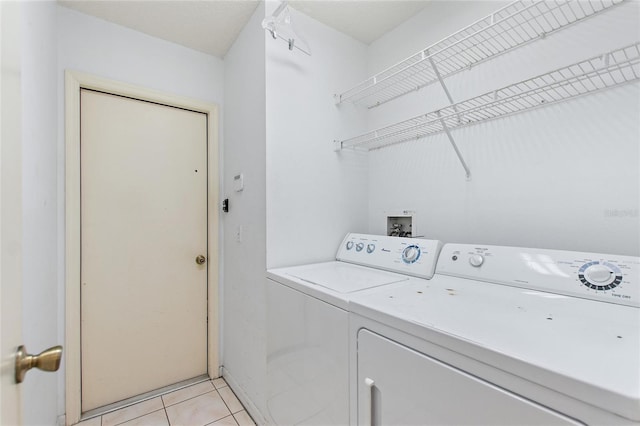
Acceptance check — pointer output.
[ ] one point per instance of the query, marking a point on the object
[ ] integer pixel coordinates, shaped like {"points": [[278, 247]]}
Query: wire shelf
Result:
{"points": [[511, 26], [601, 72]]}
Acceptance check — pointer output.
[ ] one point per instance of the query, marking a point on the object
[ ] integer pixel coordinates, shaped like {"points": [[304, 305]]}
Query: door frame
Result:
{"points": [[11, 212], [74, 81]]}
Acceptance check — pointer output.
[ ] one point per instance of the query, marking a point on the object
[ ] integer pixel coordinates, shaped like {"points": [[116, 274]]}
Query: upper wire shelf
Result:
{"points": [[608, 70], [509, 27]]}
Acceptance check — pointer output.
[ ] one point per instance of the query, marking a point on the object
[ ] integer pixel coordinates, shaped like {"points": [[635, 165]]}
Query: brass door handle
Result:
{"points": [[200, 259], [47, 360]]}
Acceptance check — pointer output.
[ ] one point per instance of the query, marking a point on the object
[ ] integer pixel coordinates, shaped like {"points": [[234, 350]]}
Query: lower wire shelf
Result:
{"points": [[605, 71]]}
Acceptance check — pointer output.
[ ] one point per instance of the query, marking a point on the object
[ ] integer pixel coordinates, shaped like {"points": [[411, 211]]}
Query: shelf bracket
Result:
{"points": [[337, 146], [441, 80], [444, 87], [444, 125], [455, 147]]}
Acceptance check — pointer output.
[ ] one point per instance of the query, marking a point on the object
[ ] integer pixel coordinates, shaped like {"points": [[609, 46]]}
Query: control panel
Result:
{"points": [[604, 277], [411, 256]]}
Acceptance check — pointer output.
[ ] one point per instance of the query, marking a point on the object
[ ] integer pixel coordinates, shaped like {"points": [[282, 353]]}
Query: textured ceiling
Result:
{"points": [[207, 26], [211, 26], [364, 20]]}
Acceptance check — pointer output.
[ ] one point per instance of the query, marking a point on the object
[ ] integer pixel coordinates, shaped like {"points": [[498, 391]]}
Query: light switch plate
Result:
{"points": [[238, 182]]}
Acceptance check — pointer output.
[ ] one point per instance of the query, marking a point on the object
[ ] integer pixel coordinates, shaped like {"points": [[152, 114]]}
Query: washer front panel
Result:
{"points": [[306, 359]]}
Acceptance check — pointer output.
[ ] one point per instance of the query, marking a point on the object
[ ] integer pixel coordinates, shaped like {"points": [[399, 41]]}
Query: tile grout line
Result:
{"points": [[239, 402], [227, 405], [196, 396], [230, 415], [133, 418], [165, 406], [224, 402], [239, 411], [180, 402], [166, 414]]}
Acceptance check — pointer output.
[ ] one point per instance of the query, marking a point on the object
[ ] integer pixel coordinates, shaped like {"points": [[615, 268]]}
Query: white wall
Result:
{"points": [[104, 49], [314, 195], [280, 123], [564, 176], [95, 46], [39, 186], [244, 262]]}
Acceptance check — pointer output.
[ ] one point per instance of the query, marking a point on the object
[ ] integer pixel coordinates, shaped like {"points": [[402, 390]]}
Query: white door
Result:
{"points": [[10, 212], [143, 228]]}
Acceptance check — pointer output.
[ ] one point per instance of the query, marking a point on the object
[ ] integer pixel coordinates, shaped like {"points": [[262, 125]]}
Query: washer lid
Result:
{"points": [[343, 277]]}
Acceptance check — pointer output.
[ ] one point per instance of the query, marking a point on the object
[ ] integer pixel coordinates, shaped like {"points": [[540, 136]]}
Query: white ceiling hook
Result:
{"points": [[280, 25]]}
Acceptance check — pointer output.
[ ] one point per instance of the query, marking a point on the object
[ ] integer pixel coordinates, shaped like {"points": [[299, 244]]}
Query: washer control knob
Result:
{"points": [[476, 260], [359, 246], [371, 248], [598, 274], [349, 245], [410, 254]]}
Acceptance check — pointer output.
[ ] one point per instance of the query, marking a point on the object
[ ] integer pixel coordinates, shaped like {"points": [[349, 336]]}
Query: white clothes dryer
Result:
{"points": [[501, 336], [307, 323]]}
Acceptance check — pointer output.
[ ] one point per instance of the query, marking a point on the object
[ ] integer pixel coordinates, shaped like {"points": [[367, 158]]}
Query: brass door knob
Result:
{"points": [[200, 259], [47, 360]]}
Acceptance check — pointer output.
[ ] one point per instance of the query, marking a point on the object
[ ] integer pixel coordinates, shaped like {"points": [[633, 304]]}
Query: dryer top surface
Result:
{"points": [[587, 349]]}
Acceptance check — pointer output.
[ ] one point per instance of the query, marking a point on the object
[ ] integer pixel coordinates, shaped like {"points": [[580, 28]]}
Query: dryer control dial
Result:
{"points": [[600, 275], [371, 248], [411, 254], [359, 246], [349, 245], [476, 260]]}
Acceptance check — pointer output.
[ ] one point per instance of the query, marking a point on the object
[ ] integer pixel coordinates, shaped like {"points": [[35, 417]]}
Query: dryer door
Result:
{"points": [[399, 386]]}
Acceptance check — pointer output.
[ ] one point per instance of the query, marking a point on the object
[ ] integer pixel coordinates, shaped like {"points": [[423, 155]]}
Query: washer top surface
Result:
{"points": [[344, 277], [585, 348], [363, 262], [334, 282]]}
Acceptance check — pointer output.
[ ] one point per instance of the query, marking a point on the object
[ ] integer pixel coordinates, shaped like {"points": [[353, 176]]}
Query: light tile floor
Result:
{"points": [[207, 403]]}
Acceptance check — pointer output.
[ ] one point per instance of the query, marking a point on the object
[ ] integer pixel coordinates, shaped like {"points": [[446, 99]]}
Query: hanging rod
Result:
{"points": [[518, 23], [608, 70]]}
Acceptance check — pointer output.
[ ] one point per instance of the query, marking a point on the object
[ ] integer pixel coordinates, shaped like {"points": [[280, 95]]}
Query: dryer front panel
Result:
{"points": [[400, 386]]}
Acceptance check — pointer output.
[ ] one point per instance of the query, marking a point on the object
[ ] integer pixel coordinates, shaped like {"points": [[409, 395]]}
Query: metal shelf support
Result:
{"points": [[455, 147], [444, 125]]}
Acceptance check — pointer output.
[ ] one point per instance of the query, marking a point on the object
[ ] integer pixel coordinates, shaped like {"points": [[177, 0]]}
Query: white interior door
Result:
{"points": [[10, 211], [143, 224]]}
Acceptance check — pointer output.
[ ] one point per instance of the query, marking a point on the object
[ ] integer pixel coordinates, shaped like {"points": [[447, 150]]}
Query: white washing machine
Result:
{"points": [[501, 336], [307, 323]]}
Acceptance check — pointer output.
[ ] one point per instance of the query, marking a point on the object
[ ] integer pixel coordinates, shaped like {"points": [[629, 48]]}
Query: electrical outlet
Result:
{"points": [[239, 234]]}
